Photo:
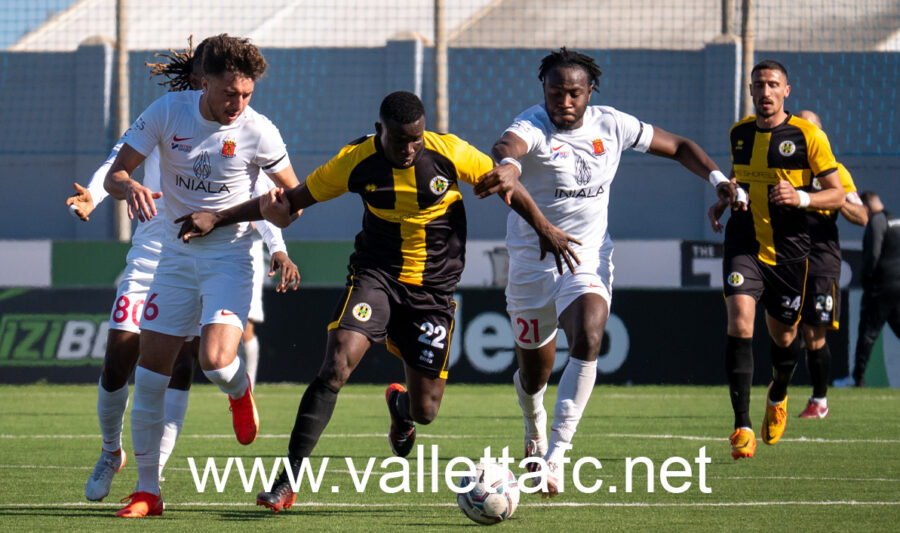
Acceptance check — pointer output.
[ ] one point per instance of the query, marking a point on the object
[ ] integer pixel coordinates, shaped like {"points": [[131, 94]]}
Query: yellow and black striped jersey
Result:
{"points": [[796, 151], [414, 226], [825, 247]]}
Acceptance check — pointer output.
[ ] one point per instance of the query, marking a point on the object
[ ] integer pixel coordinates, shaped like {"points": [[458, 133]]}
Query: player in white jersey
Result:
{"points": [[567, 153], [213, 148], [183, 71]]}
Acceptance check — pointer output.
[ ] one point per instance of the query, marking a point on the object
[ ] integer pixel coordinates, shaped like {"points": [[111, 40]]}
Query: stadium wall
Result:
{"points": [[59, 107], [59, 335]]}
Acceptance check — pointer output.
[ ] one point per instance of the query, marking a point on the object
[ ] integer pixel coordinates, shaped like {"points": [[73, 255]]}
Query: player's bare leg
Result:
{"points": [[343, 352], [112, 401], [417, 403], [818, 362]]}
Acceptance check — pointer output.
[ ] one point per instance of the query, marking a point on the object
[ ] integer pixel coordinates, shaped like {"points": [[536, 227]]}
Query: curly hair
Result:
{"points": [[177, 69], [225, 53], [570, 58]]}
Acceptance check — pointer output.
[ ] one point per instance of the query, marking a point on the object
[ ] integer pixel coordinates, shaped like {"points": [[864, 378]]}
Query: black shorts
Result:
{"points": [[822, 302], [779, 287], [416, 324]]}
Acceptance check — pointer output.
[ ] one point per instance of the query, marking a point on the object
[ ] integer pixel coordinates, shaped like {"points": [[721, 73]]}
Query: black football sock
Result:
{"points": [[819, 364], [784, 361], [739, 369], [313, 415]]}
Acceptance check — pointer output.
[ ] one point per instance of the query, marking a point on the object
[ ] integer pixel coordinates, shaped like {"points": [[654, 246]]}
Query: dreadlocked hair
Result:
{"points": [[177, 69], [570, 58]]}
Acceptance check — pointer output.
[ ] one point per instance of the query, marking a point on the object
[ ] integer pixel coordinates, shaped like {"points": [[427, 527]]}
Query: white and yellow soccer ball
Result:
{"points": [[493, 497]]}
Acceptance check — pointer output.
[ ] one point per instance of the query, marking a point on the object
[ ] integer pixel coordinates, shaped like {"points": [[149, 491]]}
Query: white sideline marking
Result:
{"points": [[408, 504], [456, 437]]}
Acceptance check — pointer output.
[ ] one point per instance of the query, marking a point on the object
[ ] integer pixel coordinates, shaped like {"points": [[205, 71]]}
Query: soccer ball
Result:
{"points": [[494, 497]]}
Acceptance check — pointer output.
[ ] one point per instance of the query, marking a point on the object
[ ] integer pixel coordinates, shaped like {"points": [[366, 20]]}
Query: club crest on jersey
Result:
{"points": [[202, 166], [438, 185], [598, 147], [228, 147], [787, 148], [362, 312], [735, 279], [816, 184]]}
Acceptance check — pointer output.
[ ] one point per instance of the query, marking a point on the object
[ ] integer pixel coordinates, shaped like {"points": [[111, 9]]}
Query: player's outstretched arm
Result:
{"points": [[693, 158], [121, 186], [503, 177], [200, 223], [287, 179]]}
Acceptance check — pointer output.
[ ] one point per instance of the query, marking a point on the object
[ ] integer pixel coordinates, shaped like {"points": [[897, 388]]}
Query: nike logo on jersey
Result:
{"points": [[555, 148], [227, 313], [176, 138]]}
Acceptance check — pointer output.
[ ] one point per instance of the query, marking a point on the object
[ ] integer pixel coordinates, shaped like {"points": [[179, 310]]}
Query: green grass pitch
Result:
{"points": [[838, 474]]}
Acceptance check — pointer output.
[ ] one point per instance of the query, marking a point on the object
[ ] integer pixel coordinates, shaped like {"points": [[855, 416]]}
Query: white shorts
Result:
{"points": [[259, 277], [535, 299], [188, 291], [132, 291]]}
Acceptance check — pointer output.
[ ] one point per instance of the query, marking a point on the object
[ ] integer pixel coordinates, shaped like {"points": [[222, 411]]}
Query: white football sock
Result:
{"points": [[533, 411], [575, 387], [176, 407], [111, 408], [821, 401], [147, 419], [251, 358], [231, 378]]}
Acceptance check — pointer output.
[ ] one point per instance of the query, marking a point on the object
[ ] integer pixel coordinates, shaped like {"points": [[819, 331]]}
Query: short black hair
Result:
{"points": [[401, 107], [770, 64], [570, 58]]}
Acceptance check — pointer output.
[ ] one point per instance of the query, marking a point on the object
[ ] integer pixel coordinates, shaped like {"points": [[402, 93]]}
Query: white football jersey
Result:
{"points": [[568, 174], [206, 166]]}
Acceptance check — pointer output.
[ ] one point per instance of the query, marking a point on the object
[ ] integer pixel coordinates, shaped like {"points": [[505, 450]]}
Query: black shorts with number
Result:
{"points": [[779, 287], [416, 324], [822, 302]]}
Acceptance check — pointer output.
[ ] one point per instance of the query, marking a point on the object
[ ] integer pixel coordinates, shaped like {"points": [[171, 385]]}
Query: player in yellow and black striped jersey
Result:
{"points": [[822, 300], [414, 226], [407, 261], [775, 157]]}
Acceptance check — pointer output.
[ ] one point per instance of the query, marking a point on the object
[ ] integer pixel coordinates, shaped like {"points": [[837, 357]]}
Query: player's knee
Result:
{"points": [[783, 339], [423, 413], [114, 376], [588, 343], [335, 374]]}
